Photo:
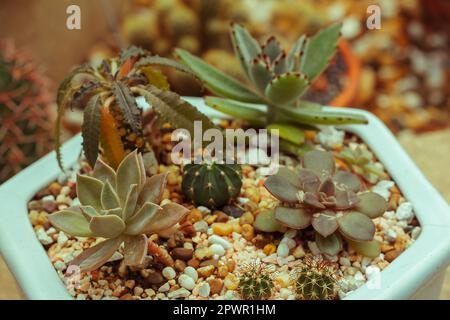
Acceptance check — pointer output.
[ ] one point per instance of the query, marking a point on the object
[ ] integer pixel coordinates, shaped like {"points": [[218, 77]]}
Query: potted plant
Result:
{"points": [[348, 215]]}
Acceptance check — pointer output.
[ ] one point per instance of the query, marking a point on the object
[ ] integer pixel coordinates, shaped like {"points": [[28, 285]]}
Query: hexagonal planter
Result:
{"points": [[416, 274]]}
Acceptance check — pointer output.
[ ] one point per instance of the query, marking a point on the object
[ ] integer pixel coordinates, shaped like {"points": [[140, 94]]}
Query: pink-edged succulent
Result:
{"points": [[122, 207], [329, 200]]}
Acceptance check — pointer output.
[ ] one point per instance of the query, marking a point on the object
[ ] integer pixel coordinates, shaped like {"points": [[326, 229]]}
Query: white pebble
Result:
{"points": [[229, 295], [49, 198], [284, 293], [242, 200], [180, 293], [282, 250], [201, 226], [191, 272], [164, 288], [204, 290], [343, 261], [405, 211], [390, 235], [43, 237], [329, 137], [415, 232], [217, 249], [169, 273], [59, 265], [215, 239], [186, 282], [382, 188], [204, 210], [291, 233], [289, 242], [62, 238]]}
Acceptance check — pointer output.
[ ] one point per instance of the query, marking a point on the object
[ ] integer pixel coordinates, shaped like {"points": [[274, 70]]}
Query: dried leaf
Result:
{"points": [[128, 106], [90, 130]]}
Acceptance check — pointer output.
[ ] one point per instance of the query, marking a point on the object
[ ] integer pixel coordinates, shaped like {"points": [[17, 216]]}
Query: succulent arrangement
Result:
{"points": [[25, 111], [278, 81], [360, 161], [330, 201], [315, 279], [112, 117], [121, 206], [212, 185], [256, 281]]}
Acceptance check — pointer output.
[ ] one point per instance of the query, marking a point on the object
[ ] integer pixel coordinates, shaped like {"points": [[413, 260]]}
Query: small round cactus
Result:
{"points": [[256, 281], [212, 185], [315, 279]]}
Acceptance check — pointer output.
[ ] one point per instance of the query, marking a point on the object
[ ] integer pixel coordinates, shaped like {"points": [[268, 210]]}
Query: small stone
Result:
{"points": [[150, 292], [180, 293], [154, 277], [164, 288], [180, 265], [291, 233], [247, 232], [298, 252], [60, 265], [186, 282], [390, 235], [204, 290], [182, 253], [222, 271], [282, 250], [169, 273], [204, 210], [221, 216], [215, 285], [202, 253], [289, 242], [138, 291], [391, 255], [43, 237], [247, 218], [193, 263], [191, 272], [222, 229], [175, 240], [344, 261], [415, 232], [217, 249], [201, 226], [205, 271], [284, 293], [233, 211], [282, 279], [194, 215], [269, 249], [130, 284], [383, 188], [405, 211], [62, 238], [215, 239], [231, 282]]}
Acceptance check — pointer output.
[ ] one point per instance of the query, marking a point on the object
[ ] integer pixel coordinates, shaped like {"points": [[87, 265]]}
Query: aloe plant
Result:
{"points": [[122, 207], [112, 118], [329, 200], [278, 81]]}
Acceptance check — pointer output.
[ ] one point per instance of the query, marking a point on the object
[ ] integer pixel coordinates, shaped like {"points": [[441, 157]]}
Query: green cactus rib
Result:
{"points": [[314, 284], [217, 81], [212, 185]]}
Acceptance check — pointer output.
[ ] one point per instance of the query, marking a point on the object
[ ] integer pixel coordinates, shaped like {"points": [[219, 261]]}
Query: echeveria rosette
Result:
{"points": [[329, 200], [122, 207]]}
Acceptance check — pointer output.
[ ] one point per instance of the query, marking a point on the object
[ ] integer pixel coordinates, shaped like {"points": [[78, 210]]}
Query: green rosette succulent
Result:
{"points": [[329, 200], [122, 207]]}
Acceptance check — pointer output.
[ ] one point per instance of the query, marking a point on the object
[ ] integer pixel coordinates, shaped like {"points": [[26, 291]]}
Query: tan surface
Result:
{"points": [[430, 151]]}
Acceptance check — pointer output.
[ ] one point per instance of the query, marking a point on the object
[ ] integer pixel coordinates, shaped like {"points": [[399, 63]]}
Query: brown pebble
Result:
{"points": [[188, 229], [231, 265], [54, 188], [391, 255], [235, 212], [221, 216], [154, 277], [209, 262], [49, 206], [126, 297], [180, 265], [194, 263], [175, 240], [182, 253], [215, 285]]}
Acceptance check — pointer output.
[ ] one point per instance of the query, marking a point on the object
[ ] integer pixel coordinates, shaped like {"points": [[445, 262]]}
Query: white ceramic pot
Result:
{"points": [[416, 274]]}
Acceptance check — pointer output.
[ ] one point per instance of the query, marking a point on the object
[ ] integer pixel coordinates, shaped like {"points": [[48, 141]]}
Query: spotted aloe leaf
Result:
{"points": [[325, 223], [330, 245], [284, 185], [288, 132], [245, 46], [293, 58], [135, 249], [89, 191], [271, 48], [319, 50], [286, 88], [367, 248], [260, 73], [128, 174], [71, 221], [153, 189], [107, 226], [371, 204], [265, 221], [347, 180], [217, 81], [356, 226], [320, 162], [280, 64], [127, 104], [295, 218], [90, 129], [96, 256], [237, 109]]}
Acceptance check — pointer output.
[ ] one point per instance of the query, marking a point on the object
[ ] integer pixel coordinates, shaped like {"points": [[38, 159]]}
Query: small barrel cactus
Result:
{"points": [[315, 279], [212, 185], [122, 207], [255, 281]]}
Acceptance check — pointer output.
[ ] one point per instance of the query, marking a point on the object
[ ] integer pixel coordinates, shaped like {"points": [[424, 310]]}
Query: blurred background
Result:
{"points": [[400, 71]]}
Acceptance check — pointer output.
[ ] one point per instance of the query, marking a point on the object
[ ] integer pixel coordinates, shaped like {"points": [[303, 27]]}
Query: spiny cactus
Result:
{"points": [[327, 199], [315, 279], [212, 185], [26, 121], [122, 207], [279, 80], [255, 281], [361, 161], [108, 95]]}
